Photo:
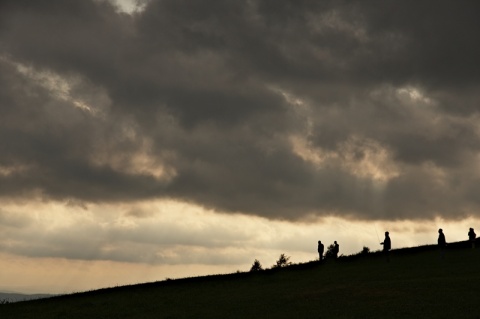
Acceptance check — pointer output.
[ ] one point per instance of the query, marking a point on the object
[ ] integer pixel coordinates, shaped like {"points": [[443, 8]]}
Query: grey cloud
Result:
{"points": [[199, 87]]}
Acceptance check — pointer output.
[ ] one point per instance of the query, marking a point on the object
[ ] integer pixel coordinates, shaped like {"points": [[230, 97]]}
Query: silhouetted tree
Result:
{"points": [[330, 251], [282, 261], [365, 250], [257, 266]]}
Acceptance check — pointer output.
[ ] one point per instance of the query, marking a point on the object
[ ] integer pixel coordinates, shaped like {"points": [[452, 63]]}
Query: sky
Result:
{"points": [[153, 139]]}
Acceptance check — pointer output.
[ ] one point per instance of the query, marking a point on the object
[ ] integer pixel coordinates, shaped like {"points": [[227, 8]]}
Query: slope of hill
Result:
{"points": [[415, 283], [14, 297]]}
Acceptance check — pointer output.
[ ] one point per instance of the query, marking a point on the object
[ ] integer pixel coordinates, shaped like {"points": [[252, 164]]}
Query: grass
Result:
{"points": [[416, 283]]}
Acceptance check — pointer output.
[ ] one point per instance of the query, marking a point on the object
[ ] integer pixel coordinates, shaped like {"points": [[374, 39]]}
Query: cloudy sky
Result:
{"points": [[144, 140]]}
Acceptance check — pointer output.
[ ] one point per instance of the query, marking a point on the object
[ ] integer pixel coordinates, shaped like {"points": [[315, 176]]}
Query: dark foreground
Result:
{"points": [[416, 283]]}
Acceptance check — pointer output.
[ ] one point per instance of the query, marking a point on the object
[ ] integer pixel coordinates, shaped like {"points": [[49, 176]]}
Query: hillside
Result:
{"points": [[14, 297], [416, 283]]}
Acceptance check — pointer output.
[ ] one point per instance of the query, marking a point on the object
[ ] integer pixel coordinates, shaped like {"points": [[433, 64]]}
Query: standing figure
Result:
{"points": [[442, 243], [320, 250], [387, 245], [471, 237], [336, 249]]}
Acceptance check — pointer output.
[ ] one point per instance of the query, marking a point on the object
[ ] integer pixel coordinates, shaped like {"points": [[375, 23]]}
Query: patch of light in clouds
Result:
{"points": [[142, 162], [7, 170], [129, 6], [61, 87], [363, 157]]}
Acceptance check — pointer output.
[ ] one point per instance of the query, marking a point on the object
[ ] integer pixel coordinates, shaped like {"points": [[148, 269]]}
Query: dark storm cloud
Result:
{"points": [[274, 108]]}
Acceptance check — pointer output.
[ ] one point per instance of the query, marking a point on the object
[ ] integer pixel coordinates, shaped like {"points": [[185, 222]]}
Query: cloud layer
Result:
{"points": [[282, 109]]}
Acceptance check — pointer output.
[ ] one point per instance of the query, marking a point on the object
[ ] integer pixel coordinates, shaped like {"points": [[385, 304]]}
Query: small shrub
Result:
{"points": [[282, 261], [257, 266], [330, 251], [365, 250]]}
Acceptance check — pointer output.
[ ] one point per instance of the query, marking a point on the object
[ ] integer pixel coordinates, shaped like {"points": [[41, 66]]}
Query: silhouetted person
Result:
{"points": [[387, 245], [336, 249], [442, 243], [471, 237], [320, 250]]}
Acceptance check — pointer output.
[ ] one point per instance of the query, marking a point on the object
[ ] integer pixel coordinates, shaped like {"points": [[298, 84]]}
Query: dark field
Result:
{"points": [[416, 283]]}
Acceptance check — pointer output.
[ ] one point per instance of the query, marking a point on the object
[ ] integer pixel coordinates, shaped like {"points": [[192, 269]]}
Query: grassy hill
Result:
{"points": [[13, 297], [416, 283]]}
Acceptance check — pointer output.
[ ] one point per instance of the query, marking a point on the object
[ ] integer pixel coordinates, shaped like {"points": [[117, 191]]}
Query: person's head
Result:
{"points": [[335, 242], [386, 233], [319, 242], [471, 229], [440, 231]]}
